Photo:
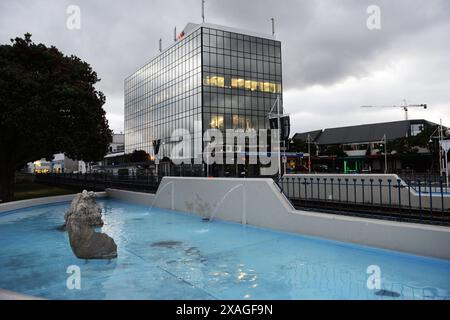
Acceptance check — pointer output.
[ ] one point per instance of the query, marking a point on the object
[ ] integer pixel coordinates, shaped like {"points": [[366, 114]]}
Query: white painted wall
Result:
{"points": [[259, 202]]}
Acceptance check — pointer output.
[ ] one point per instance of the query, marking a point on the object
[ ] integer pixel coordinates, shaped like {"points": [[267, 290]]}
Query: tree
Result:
{"points": [[48, 104]]}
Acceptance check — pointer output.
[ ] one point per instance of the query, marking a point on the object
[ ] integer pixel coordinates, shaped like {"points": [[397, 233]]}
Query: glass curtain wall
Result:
{"points": [[164, 95], [241, 79]]}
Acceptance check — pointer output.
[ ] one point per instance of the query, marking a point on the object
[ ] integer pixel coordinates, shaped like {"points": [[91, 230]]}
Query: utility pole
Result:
{"points": [[160, 44], [309, 153], [175, 34], [273, 26], [385, 153], [203, 11], [279, 136], [441, 167]]}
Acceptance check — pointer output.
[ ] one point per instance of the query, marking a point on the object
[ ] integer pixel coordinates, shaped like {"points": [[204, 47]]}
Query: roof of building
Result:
{"points": [[191, 27], [304, 135], [363, 133]]}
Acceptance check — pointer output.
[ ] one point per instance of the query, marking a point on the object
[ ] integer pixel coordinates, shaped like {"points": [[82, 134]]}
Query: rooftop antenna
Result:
{"points": [[203, 11], [160, 44], [175, 34], [273, 26]]}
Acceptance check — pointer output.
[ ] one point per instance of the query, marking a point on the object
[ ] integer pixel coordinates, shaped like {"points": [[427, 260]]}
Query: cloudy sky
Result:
{"points": [[332, 63]]}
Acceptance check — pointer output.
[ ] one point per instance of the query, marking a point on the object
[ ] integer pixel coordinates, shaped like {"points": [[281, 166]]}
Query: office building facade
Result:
{"points": [[212, 77]]}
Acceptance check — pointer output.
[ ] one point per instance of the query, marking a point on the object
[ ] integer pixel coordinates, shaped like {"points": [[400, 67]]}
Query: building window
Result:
{"points": [[416, 129]]}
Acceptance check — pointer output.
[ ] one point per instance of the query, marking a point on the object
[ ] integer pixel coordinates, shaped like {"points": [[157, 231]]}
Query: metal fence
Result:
{"points": [[372, 196], [101, 181], [386, 196]]}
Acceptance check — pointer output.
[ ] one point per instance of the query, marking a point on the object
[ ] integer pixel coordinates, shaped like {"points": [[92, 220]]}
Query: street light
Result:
{"points": [[309, 153], [440, 136], [270, 115], [384, 141]]}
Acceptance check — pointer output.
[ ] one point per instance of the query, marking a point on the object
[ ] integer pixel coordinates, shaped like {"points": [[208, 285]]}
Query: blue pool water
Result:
{"points": [[168, 255]]}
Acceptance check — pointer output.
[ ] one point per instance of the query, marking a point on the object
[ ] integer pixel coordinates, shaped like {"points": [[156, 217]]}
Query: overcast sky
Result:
{"points": [[332, 63]]}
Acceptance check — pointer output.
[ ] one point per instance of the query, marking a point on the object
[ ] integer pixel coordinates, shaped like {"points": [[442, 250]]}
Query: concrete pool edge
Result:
{"points": [[22, 204], [11, 295], [259, 202]]}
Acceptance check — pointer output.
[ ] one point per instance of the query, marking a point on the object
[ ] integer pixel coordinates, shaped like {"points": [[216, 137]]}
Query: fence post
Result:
{"points": [[362, 185], [381, 191], [431, 198], [293, 188], [371, 191], [442, 196], [420, 199], [332, 189], [409, 195], [399, 193], [287, 187], [306, 190], [390, 192], [339, 188], [318, 189], [346, 188]]}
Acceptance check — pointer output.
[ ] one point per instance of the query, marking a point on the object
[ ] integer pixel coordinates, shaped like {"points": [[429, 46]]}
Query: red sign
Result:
{"points": [[181, 35]]}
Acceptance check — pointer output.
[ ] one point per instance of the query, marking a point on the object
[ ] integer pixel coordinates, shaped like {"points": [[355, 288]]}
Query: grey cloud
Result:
{"points": [[323, 41]]}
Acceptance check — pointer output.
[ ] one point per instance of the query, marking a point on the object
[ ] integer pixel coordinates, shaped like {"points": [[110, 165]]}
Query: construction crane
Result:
{"points": [[405, 107]]}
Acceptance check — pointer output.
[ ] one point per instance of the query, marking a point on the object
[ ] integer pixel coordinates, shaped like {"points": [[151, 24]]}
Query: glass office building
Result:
{"points": [[216, 76]]}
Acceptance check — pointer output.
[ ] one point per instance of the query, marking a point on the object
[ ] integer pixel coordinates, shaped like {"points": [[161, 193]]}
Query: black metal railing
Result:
{"points": [[373, 197], [102, 181], [385, 198]]}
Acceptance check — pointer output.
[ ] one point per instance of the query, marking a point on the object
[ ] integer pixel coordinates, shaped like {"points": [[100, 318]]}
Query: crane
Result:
{"points": [[405, 107]]}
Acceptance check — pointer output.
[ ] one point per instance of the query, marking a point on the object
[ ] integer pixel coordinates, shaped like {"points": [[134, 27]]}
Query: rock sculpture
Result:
{"points": [[84, 209], [81, 219]]}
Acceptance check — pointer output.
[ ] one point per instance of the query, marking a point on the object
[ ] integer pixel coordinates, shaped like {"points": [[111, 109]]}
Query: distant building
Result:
{"points": [[60, 164], [115, 155], [362, 147], [117, 144]]}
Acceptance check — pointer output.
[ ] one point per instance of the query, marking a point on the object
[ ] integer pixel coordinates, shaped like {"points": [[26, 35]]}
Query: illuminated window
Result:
{"points": [[260, 86], [216, 122], [274, 87], [234, 83], [220, 82], [248, 84], [215, 81], [241, 83], [254, 86], [279, 87]]}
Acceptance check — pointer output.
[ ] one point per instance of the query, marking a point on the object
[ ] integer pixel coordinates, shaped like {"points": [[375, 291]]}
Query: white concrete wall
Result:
{"points": [[131, 196], [259, 202]]}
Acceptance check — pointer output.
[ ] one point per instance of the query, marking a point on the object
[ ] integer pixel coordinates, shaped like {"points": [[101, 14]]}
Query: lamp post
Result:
{"points": [[309, 153], [279, 136], [270, 116], [439, 151], [384, 140]]}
